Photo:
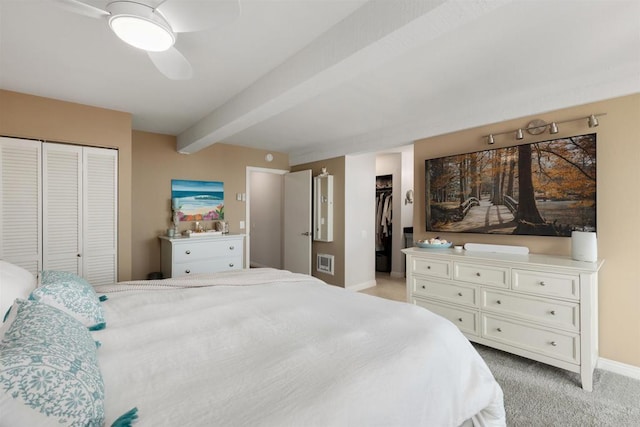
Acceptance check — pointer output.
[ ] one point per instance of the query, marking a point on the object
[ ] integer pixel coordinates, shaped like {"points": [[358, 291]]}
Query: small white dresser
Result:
{"points": [[541, 307], [183, 256]]}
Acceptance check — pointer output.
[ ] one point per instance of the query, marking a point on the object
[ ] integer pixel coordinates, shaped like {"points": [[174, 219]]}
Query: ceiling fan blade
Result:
{"points": [[81, 8], [197, 15], [172, 64]]}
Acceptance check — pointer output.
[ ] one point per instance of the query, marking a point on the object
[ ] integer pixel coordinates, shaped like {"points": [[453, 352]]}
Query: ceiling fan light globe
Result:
{"points": [[142, 33]]}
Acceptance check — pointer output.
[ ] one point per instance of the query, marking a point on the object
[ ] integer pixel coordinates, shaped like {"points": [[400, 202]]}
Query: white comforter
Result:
{"points": [[265, 347]]}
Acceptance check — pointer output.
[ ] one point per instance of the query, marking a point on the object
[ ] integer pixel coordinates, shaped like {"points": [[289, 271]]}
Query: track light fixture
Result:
{"points": [[537, 126]]}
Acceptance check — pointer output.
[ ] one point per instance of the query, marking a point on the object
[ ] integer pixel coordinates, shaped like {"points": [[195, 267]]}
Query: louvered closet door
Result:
{"points": [[62, 207], [100, 227], [20, 209]]}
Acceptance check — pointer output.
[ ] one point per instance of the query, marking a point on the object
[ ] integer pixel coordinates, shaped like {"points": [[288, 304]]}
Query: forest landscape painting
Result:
{"points": [[544, 188], [198, 200]]}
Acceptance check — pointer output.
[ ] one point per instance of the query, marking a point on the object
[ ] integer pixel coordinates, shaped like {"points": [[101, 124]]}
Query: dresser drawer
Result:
{"points": [[465, 320], [562, 346], [431, 267], [193, 251], [559, 314], [550, 284], [208, 266], [447, 291], [481, 274]]}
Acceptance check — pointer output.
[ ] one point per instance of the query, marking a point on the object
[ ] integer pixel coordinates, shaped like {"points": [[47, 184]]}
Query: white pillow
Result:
{"points": [[15, 282]]}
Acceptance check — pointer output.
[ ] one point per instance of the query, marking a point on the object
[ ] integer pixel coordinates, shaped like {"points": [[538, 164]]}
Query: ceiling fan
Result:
{"points": [[151, 25]]}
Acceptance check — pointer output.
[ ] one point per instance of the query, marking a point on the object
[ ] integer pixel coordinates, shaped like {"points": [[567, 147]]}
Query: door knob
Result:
{"points": [[306, 233]]}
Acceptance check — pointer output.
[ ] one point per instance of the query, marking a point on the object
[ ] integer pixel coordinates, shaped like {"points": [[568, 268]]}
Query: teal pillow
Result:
{"points": [[49, 372], [73, 295]]}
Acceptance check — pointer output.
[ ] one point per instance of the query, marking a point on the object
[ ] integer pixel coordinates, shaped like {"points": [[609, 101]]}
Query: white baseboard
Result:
{"points": [[360, 286], [619, 368]]}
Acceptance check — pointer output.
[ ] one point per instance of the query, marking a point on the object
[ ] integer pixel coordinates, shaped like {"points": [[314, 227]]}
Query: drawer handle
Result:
{"points": [[459, 319], [498, 302], [187, 271], [543, 284], [423, 287], [428, 267], [188, 252], [499, 330], [230, 264], [231, 248], [459, 294], [552, 312], [553, 343], [478, 274]]}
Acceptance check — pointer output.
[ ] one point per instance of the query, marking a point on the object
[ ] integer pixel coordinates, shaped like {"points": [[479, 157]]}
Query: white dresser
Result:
{"points": [[541, 307], [182, 256]]}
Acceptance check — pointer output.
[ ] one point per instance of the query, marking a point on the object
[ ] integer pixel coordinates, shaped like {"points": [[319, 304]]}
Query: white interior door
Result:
{"points": [[21, 203], [62, 207], [100, 208], [297, 222]]}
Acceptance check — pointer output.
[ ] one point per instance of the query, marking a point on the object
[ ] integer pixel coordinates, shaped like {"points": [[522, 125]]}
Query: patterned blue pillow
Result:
{"points": [[73, 295], [49, 372]]}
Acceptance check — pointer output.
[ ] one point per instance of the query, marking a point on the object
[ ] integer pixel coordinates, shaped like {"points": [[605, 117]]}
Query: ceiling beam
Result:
{"points": [[374, 34]]}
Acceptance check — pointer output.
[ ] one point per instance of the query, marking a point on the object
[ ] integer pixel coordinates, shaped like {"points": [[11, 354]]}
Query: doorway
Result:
{"points": [[384, 229], [395, 168], [274, 198], [265, 200]]}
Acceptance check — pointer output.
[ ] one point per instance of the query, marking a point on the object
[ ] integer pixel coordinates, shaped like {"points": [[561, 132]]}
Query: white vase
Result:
{"points": [[584, 246]]}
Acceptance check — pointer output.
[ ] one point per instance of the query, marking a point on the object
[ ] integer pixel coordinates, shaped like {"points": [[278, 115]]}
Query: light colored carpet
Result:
{"points": [[538, 395]]}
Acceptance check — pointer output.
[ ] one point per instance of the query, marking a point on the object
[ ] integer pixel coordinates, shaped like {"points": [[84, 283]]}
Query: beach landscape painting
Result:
{"points": [[198, 200]]}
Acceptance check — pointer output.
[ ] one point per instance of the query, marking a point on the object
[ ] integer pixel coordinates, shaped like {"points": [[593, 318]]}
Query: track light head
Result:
{"points": [[553, 128], [593, 122], [519, 134], [491, 140]]}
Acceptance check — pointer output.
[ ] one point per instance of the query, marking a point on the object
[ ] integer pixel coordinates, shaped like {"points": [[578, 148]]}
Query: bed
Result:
{"points": [[266, 347]]}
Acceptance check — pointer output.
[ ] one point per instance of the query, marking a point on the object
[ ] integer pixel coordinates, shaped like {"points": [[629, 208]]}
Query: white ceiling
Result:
{"points": [[323, 78]]}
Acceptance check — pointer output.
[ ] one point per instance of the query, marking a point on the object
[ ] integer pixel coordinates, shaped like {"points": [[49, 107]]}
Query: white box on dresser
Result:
{"points": [[542, 307], [182, 256]]}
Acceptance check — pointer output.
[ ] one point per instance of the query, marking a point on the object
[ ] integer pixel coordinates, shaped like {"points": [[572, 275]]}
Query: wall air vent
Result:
{"points": [[325, 263]]}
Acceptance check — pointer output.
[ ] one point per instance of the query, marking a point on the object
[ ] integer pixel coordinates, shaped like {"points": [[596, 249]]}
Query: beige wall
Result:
{"points": [[156, 162], [335, 167], [34, 117], [618, 209]]}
